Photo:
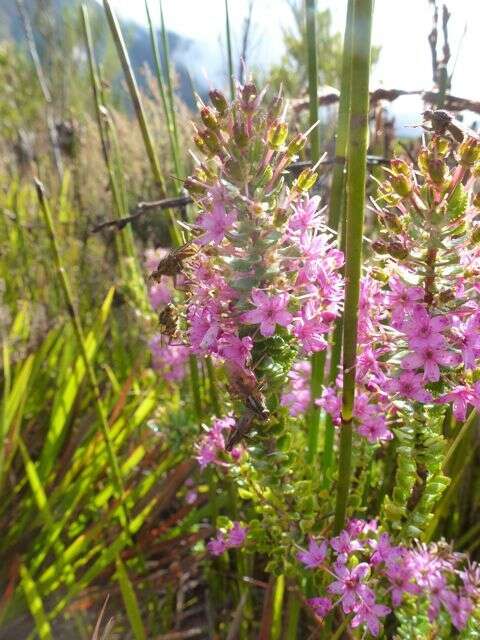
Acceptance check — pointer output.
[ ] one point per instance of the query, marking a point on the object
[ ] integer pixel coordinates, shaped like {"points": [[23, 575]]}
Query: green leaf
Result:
{"points": [[130, 601], [457, 202], [35, 604]]}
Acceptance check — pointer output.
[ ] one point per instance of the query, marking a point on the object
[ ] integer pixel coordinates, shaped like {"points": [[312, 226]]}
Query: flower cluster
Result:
{"points": [[265, 282], [232, 539], [211, 448], [168, 359], [368, 577]]}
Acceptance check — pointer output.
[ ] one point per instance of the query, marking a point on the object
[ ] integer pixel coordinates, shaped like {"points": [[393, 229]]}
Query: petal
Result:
{"points": [[411, 361], [267, 328], [259, 297]]}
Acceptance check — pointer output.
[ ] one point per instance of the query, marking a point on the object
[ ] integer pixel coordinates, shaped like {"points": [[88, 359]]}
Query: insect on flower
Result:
{"points": [[168, 321], [173, 263], [442, 123], [244, 385], [241, 430]]}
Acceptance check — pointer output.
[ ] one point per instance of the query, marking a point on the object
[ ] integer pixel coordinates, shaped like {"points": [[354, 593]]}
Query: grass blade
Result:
{"points": [[130, 601]]}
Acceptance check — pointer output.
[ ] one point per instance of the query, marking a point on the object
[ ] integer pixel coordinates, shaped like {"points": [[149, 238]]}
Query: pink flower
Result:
{"points": [[235, 349], [460, 397], [424, 330], [410, 385], [270, 311], [368, 613], [159, 294], [375, 429], [320, 606], [217, 545], [236, 536], [344, 544], [384, 551], [468, 338], [459, 609], [400, 576], [401, 299], [309, 329], [350, 586], [305, 214], [315, 555], [429, 358], [215, 224]]}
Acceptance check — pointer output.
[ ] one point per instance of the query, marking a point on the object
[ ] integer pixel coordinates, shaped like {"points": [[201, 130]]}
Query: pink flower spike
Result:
{"points": [[236, 350], [270, 311], [344, 544], [215, 224], [314, 557]]}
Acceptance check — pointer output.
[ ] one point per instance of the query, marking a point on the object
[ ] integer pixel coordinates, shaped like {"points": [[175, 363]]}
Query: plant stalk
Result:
{"points": [[228, 34], [356, 183]]}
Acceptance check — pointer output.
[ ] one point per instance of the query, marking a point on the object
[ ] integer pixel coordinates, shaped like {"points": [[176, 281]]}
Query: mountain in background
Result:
{"points": [[136, 36]]}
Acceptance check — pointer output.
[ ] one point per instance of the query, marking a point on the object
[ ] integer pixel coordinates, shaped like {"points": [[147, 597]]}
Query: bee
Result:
{"points": [[168, 321], [173, 263], [241, 430], [244, 385], [442, 123]]}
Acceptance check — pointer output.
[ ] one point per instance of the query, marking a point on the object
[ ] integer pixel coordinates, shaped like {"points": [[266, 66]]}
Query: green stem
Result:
{"points": [[278, 593], [458, 438], [176, 234], [336, 218], [229, 51], [318, 359], [169, 115], [170, 93], [356, 182], [293, 616], [337, 191], [312, 67]]}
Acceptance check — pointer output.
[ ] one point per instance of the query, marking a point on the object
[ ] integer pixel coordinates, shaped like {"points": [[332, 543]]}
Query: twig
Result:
{"points": [[182, 201], [452, 103]]}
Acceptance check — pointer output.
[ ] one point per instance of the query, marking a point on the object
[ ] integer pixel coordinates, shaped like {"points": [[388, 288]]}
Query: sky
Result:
{"points": [[400, 28]]}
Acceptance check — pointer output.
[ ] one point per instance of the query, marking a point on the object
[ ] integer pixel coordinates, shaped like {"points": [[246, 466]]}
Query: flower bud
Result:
{"points": [[240, 134], [440, 146], [211, 141], [475, 237], [266, 176], [469, 151], [397, 250], [306, 180], [277, 134], [392, 221], [400, 168], [379, 247], [380, 275], [200, 143], [402, 185], [209, 118], [249, 94], [219, 101], [422, 161], [276, 107], [437, 170], [194, 187], [280, 217], [296, 144]]}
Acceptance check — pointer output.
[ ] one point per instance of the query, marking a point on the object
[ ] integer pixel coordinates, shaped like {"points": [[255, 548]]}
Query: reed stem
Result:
{"points": [[356, 183], [228, 34]]}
